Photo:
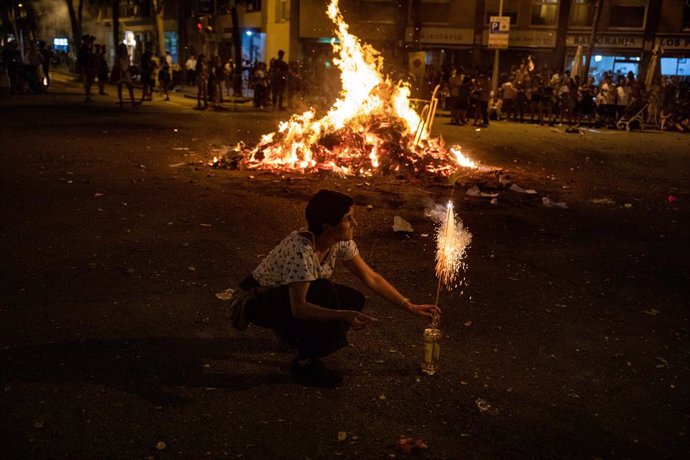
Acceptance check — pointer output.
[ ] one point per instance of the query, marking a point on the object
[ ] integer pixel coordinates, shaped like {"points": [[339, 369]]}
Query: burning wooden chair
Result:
{"points": [[427, 115]]}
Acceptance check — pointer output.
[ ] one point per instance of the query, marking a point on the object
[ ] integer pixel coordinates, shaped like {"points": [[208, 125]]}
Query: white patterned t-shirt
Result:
{"points": [[294, 260]]}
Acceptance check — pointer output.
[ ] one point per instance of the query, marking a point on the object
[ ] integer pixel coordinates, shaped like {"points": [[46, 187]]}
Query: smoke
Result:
{"points": [[434, 211], [52, 20]]}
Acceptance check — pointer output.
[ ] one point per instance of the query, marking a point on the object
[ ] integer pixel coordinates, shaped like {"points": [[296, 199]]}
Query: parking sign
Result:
{"points": [[499, 30]]}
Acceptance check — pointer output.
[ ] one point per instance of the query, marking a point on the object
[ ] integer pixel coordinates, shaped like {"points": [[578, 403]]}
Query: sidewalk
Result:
{"points": [[187, 92]]}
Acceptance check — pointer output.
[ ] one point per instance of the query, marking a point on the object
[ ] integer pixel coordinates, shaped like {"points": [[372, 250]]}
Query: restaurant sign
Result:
{"points": [[441, 36], [528, 38], [674, 42], [606, 41]]}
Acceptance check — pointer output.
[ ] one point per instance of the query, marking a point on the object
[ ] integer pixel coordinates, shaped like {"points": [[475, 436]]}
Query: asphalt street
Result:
{"points": [[569, 338]]}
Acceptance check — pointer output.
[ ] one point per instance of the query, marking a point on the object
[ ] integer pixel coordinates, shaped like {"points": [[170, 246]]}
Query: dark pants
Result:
{"points": [[313, 339], [278, 90], [484, 107]]}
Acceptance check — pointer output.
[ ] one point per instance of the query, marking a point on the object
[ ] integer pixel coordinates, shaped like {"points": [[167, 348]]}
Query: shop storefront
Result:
{"points": [[675, 57], [615, 53], [444, 47]]}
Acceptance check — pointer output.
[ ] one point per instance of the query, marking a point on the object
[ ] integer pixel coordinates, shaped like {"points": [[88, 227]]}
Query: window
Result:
{"points": [[435, 11], [128, 9], [378, 11], [253, 5], [628, 13], [510, 8], [686, 15], [543, 13], [282, 10], [581, 13]]}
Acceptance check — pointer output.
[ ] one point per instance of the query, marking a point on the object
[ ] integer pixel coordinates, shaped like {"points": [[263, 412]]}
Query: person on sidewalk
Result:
{"points": [[122, 74], [290, 291], [86, 65], [190, 70], [102, 68], [47, 57], [146, 70], [279, 73], [165, 79], [202, 72]]}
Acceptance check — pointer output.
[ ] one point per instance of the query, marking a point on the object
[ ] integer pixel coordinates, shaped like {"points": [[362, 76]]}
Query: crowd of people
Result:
{"points": [[92, 66], [549, 96], [211, 76], [524, 94], [275, 85], [30, 73]]}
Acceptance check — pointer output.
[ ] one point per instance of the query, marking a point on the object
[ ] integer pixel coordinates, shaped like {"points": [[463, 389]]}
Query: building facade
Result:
{"points": [[414, 34]]}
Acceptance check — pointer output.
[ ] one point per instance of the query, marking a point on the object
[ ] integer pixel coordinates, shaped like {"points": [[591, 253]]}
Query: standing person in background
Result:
{"points": [[11, 59], [635, 87], [215, 82], [228, 72], [295, 84], [520, 96], [534, 98], [495, 105], [86, 65], [464, 99], [260, 85], [35, 60], [623, 93], [585, 94], [145, 72], [279, 73], [47, 57], [509, 95], [101, 68], [201, 82], [484, 95], [454, 83], [122, 73], [190, 70], [165, 79]]}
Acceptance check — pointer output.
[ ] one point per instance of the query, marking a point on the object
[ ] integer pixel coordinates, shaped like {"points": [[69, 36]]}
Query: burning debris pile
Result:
{"points": [[371, 128]]}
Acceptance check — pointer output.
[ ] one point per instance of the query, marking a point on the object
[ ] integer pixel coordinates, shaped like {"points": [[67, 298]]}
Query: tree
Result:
{"points": [[232, 8], [593, 35], [75, 22], [18, 19], [237, 45], [116, 22], [158, 10], [563, 19]]}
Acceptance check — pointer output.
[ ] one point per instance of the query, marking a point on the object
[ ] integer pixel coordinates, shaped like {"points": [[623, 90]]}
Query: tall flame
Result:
{"points": [[371, 124]]}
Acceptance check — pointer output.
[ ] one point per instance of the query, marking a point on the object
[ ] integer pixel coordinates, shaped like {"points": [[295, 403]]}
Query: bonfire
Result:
{"points": [[372, 127]]}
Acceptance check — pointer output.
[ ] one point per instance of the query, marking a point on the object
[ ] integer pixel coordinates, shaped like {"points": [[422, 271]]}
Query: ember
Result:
{"points": [[370, 128]]}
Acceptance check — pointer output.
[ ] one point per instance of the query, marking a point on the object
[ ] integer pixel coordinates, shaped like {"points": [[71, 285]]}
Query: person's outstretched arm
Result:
{"points": [[382, 287]]}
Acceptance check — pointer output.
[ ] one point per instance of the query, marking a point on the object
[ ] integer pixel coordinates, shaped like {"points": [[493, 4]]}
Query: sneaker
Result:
{"points": [[236, 311], [314, 373]]}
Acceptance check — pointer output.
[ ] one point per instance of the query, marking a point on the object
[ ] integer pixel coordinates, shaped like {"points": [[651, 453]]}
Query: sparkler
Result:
{"points": [[452, 240]]}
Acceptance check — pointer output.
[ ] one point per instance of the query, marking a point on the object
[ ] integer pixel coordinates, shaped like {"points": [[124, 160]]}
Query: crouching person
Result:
{"points": [[290, 291]]}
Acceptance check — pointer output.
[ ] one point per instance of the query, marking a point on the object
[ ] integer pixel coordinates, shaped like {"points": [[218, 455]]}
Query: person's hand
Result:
{"points": [[359, 320], [426, 310]]}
